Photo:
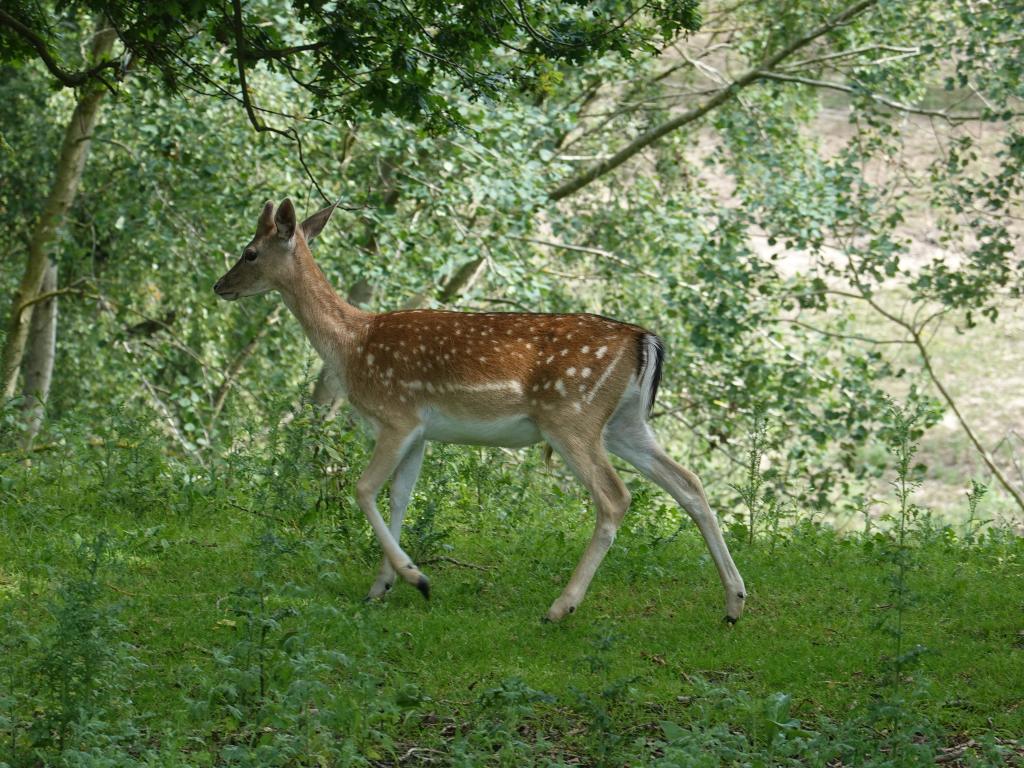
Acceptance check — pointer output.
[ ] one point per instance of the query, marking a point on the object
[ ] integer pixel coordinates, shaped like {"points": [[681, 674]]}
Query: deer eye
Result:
{"points": [[249, 254]]}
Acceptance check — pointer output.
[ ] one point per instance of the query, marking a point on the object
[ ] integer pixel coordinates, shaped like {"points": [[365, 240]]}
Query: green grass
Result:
{"points": [[646, 673]]}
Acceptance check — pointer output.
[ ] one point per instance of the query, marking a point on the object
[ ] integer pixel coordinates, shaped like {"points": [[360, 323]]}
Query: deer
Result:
{"points": [[582, 383]]}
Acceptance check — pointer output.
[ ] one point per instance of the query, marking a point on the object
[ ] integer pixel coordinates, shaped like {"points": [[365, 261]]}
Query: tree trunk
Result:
{"points": [[38, 366], [70, 162]]}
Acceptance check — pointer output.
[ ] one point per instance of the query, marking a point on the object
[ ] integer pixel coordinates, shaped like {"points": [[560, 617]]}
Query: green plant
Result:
{"points": [[67, 697], [972, 525], [895, 706]]}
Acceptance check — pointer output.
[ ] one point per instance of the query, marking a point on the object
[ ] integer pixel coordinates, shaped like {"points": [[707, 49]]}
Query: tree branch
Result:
{"points": [[67, 78], [914, 330], [587, 249], [883, 100], [257, 53], [236, 365], [731, 90]]}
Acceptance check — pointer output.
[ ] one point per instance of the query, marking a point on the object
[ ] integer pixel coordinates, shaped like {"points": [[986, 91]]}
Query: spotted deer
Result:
{"points": [[584, 384]]}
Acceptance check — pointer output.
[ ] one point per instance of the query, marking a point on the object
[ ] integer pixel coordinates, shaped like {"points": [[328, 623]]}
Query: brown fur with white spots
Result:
{"points": [[582, 383]]}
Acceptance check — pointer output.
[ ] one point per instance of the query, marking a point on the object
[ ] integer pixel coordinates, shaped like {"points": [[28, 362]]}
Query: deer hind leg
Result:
{"points": [[402, 483], [589, 462], [392, 446], [629, 437]]}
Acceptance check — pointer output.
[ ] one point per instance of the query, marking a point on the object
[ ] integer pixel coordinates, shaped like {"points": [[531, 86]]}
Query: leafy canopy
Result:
{"points": [[405, 57]]}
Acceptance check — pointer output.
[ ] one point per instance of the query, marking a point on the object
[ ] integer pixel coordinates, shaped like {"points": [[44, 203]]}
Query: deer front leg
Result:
{"points": [[402, 483], [392, 446]]}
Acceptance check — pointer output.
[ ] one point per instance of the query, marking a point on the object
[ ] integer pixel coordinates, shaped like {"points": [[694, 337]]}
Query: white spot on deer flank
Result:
{"points": [[585, 373], [491, 386], [560, 387], [571, 372], [369, 359], [604, 376], [578, 407], [600, 352], [550, 358], [585, 350]]}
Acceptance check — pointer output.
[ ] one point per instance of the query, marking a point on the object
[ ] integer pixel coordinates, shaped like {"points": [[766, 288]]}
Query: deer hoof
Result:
{"points": [[424, 587], [557, 612]]}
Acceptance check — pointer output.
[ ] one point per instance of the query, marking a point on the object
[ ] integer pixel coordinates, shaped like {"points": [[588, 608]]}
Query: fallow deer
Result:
{"points": [[585, 384]]}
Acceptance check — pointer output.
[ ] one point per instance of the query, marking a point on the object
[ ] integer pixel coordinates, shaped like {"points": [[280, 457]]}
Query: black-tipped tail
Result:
{"points": [[650, 359]]}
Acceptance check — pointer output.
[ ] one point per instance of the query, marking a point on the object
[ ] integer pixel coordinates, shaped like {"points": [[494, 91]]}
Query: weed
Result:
{"points": [[973, 525]]}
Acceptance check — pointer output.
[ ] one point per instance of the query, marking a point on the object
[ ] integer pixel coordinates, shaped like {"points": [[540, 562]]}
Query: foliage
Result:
{"points": [[747, 333], [356, 56], [797, 237]]}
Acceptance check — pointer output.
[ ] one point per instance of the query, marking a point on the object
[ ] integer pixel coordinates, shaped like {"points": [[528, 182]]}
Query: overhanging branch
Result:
{"points": [[292, 133], [66, 77], [883, 100], [751, 76]]}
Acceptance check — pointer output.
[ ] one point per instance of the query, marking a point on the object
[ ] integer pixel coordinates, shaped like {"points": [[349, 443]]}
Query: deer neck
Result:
{"points": [[331, 324]]}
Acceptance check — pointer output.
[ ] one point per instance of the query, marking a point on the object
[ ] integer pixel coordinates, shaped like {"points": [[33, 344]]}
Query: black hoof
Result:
{"points": [[572, 609], [545, 620], [730, 620], [424, 587]]}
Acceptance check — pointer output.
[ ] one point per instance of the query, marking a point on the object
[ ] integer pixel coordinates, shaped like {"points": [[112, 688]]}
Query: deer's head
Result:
{"points": [[271, 259]]}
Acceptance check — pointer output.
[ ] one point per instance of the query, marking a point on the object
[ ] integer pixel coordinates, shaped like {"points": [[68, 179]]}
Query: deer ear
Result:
{"points": [[311, 227], [285, 219], [266, 222]]}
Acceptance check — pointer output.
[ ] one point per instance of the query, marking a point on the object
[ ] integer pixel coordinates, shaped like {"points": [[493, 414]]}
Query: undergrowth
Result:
{"points": [[157, 612]]}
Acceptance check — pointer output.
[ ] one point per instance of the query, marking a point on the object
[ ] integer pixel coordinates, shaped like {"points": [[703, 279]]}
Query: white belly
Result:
{"points": [[507, 432]]}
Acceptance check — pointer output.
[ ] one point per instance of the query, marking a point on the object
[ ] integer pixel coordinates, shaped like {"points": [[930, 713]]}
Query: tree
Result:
{"points": [[691, 187], [351, 57], [70, 162]]}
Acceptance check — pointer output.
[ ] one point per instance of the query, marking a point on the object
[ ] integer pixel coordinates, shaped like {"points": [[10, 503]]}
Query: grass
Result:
{"points": [[986, 388], [228, 627]]}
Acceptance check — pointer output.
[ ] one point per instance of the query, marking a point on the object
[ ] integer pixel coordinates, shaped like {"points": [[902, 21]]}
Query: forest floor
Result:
{"points": [[155, 616]]}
